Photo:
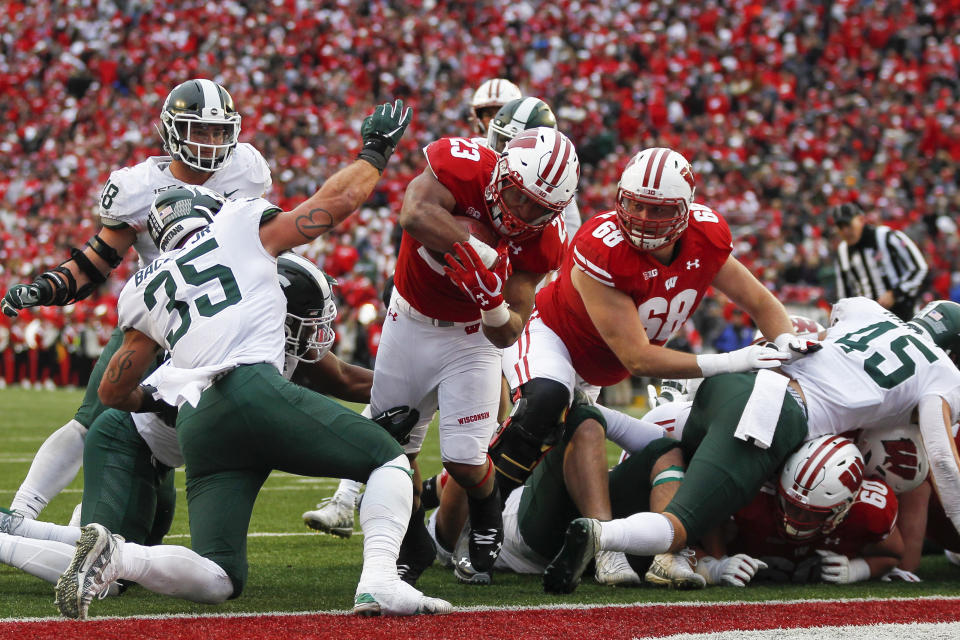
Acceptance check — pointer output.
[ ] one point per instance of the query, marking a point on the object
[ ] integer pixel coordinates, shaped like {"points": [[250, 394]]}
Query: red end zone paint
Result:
{"points": [[609, 623]]}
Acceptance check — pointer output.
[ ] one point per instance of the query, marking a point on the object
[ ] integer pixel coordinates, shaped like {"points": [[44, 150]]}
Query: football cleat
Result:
{"points": [[397, 599], [613, 569], [333, 516], [674, 570], [463, 569], [95, 566], [580, 544], [9, 520]]}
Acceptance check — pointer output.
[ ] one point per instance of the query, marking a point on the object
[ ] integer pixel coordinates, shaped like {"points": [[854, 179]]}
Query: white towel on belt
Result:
{"points": [[176, 386], [758, 422]]}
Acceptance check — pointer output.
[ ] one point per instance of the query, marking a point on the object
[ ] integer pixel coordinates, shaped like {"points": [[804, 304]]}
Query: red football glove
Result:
{"points": [[482, 285]]}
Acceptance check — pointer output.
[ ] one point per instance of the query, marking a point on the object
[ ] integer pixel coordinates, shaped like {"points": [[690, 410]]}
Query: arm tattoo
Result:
{"points": [[123, 363], [315, 223]]}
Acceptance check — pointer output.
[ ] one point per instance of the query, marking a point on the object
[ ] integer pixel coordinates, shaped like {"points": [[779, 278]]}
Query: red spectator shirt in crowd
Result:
{"points": [[870, 520], [666, 295], [465, 168]]}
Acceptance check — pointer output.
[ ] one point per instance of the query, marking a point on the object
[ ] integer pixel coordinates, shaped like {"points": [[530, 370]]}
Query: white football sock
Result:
{"points": [[44, 559], [642, 534], [54, 467], [176, 571], [38, 530], [347, 491], [631, 434], [384, 514]]}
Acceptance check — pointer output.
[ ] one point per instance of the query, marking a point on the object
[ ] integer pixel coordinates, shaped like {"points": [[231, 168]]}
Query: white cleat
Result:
{"points": [[612, 568], [675, 571], [953, 557], [333, 516], [397, 599], [95, 566]]}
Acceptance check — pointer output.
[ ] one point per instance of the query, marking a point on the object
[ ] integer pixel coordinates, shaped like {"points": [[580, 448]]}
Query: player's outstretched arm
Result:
{"points": [[74, 279], [334, 377], [614, 314], [344, 191]]}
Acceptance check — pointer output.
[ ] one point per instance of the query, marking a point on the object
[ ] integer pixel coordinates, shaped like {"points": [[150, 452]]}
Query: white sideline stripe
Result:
{"points": [[545, 607], [263, 534], [893, 631]]}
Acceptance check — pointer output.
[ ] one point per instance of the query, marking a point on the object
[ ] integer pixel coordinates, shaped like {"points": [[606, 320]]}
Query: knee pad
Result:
{"points": [[536, 421]]}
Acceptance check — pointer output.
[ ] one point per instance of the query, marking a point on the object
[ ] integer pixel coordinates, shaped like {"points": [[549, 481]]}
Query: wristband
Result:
{"points": [[713, 363], [488, 255], [496, 317]]}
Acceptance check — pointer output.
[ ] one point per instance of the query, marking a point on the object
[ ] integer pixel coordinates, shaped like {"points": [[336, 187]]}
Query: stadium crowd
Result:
{"points": [[784, 109]]}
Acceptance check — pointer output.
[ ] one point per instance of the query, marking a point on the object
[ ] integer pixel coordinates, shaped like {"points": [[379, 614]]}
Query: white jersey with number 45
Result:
{"points": [[216, 302], [872, 371], [126, 197]]}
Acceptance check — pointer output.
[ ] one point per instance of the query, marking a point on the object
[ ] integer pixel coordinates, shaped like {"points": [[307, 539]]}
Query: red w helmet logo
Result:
{"points": [[687, 174], [852, 476], [901, 458]]}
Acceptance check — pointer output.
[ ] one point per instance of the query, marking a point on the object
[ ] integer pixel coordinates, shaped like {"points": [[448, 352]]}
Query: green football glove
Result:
{"points": [[381, 131], [399, 422], [21, 296]]}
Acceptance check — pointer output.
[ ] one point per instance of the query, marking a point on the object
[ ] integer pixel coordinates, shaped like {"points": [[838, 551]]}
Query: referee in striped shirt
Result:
{"points": [[877, 262]]}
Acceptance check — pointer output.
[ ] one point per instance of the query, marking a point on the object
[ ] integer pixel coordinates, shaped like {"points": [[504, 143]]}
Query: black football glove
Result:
{"points": [[381, 131], [399, 422], [21, 296]]}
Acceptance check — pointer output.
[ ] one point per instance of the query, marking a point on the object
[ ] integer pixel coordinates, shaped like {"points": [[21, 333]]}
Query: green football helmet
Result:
{"points": [[199, 125], [176, 213], [516, 116], [940, 320], [311, 309]]}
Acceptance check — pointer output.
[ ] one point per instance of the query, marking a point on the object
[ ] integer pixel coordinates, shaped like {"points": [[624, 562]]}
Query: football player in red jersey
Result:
{"points": [[629, 281], [449, 320], [824, 514]]}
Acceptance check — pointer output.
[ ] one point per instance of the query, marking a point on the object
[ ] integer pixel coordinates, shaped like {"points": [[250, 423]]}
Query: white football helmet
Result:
{"points": [[534, 180], [818, 485], [654, 197], [896, 455], [492, 94]]}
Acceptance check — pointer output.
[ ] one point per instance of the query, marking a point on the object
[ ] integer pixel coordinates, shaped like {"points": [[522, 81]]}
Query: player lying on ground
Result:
{"points": [[873, 371]]}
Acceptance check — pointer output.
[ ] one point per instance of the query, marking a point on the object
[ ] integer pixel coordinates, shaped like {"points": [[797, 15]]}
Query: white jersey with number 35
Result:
{"points": [[217, 300], [872, 371]]}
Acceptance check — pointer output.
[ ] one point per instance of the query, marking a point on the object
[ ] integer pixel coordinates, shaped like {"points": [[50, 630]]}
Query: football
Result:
{"points": [[478, 229]]}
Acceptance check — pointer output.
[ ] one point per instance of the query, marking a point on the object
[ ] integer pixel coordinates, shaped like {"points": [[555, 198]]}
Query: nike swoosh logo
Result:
{"points": [[230, 193]]}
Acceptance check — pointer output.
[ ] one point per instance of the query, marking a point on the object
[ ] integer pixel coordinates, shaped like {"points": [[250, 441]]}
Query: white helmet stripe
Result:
{"points": [[211, 96], [524, 109]]}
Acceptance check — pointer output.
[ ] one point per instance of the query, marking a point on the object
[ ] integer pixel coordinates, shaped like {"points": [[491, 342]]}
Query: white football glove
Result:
{"points": [[734, 571], [899, 574], [756, 356], [840, 569], [670, 391], [795, 346]]}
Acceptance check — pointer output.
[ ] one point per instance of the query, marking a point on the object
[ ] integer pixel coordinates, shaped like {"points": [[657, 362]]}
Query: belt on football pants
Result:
{"points": [[402, 305]]}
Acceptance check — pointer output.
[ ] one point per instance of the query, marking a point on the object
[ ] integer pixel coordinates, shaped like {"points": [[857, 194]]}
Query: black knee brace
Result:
{"points": [[534, 423]]}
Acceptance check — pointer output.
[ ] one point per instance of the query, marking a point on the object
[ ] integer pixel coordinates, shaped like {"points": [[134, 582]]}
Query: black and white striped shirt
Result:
{"points": [[883, 260]]}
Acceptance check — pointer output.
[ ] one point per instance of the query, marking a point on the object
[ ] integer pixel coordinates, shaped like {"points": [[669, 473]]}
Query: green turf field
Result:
{"points": [[294, 569]]}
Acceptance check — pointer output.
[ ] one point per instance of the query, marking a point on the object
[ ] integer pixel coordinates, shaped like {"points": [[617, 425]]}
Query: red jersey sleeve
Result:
{"points": [[463, 167]]}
